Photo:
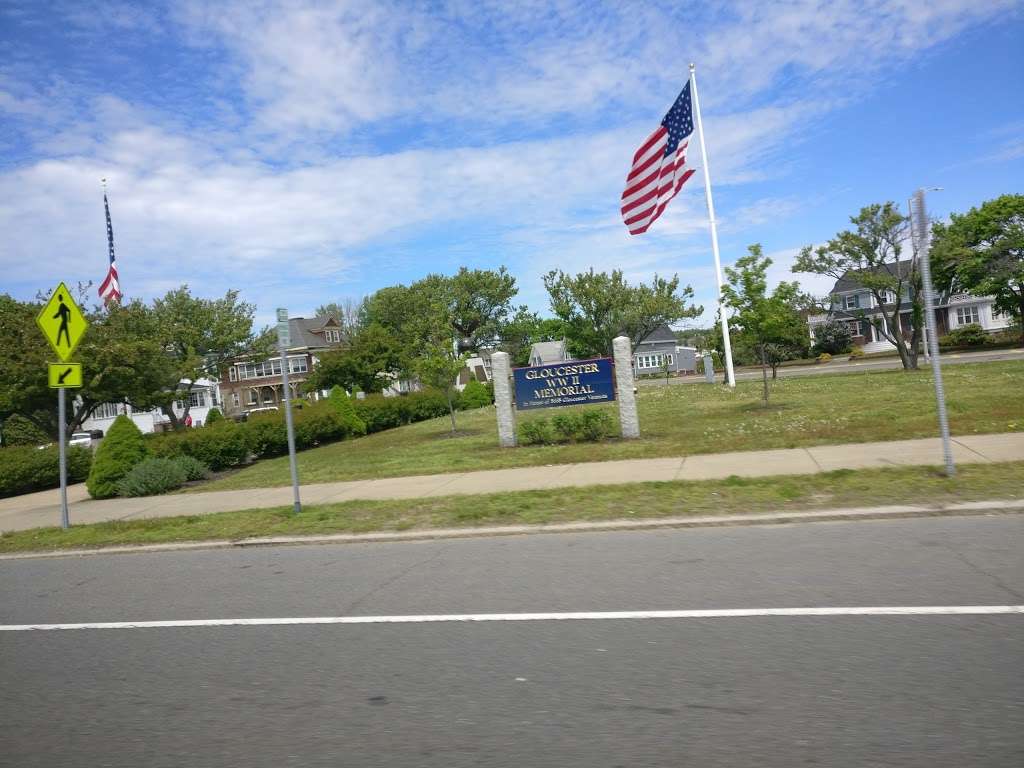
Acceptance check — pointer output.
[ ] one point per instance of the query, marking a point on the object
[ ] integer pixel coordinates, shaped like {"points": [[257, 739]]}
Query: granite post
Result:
{"points": [[502, 377], [622, 348]]}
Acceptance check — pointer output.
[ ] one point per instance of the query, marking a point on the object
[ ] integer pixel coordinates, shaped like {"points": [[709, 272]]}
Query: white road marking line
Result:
{"points": [[714, 613]]}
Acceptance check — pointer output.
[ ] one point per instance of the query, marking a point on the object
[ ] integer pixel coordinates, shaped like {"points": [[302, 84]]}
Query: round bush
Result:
{"points": [[213, 416], [824, 357], [121, 449], [537, 432], [153, 476], [193, 468], [475, 395]]}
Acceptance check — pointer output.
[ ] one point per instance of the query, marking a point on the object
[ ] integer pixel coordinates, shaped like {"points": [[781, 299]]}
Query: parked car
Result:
{"points": [[83, 439]]}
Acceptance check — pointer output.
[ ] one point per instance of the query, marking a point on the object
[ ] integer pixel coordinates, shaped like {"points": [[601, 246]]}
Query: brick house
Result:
{"points": [[248, 384]]}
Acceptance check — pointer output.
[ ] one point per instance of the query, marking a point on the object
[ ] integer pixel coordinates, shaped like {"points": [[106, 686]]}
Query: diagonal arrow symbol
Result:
{"points": [[60, 379]]}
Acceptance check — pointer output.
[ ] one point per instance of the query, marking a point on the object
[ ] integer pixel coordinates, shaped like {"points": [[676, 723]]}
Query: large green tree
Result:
{"points": [[870, 255], [595, 307], [982, 251], [771, 324], [199, 336], [526, 328], [122, 361], [372, 358]]}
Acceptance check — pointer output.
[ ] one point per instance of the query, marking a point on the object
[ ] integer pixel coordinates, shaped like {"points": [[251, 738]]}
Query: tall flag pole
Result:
{"points": [[110, 288], [659, 171], [714, 230]]}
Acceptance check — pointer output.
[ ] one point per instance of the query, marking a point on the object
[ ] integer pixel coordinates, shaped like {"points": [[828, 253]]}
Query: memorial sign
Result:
{"points": [[576, 382]]}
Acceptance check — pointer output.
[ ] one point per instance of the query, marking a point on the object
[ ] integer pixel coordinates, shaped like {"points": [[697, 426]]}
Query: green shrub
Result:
{"points": [[566, 425], [213, 416], [427, 404], [152, 476], [317, 423], [194, 469], [833, 337], [266, 435], [17, 430], [475, 395], [342, 403], [121, 449], [595, 425], [24, 469], [537, 432], [971, 335], [856, 353], [219, 446], [824, 357], [380, 413]]}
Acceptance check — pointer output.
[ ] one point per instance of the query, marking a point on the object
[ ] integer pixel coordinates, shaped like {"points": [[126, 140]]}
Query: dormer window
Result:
{"points": [[332, 335], [851, 302]]}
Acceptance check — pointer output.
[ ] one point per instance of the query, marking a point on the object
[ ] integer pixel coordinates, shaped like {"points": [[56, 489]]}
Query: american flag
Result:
{"points": [[110, 289], [659, 167]]}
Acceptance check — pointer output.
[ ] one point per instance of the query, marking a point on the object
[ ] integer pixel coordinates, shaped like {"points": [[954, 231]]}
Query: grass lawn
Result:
{"points": [[681, 420], [843, 488]]}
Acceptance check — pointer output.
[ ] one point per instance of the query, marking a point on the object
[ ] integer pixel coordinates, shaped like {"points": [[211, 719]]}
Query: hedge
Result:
{"points": [[219, 446], [24, 469], [476, 395], [121, 449]]}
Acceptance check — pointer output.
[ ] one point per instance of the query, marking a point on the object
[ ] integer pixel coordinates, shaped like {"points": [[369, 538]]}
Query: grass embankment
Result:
{"points": [[685, 419], [843, 488]]}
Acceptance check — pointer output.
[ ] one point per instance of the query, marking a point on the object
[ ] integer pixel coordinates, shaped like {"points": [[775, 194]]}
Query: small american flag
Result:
{"points": [[110, 289], [659, 167]]}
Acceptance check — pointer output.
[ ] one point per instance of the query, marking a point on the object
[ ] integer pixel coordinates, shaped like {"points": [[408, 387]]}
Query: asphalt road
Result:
{"points": [[756, 691], [844, 366]]}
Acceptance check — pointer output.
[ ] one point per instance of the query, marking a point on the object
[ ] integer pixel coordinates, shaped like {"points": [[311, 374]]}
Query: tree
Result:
{"points": [[122, 361], [199, 337], [369, 363], [437, 365], [526, 328], [982, 251], [870, 256], [771, 324], [595, 307]]}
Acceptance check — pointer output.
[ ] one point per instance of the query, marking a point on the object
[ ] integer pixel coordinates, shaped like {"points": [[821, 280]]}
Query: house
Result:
{"points": [[659, 349], [545, 352], [477, 367], [852, 303], [248, 384], [203, 394]]}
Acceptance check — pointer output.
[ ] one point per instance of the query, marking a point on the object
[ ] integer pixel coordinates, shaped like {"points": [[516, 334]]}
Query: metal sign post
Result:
{"points": [[919, 219], [283, 342], [63, 325]]}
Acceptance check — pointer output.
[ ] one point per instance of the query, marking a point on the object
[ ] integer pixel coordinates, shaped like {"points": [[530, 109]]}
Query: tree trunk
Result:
{"points": [[451, 407], [764, 374]]}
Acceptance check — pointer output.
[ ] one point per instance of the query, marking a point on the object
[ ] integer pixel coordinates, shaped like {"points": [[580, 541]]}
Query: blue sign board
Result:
{"points": [[575, 382]]}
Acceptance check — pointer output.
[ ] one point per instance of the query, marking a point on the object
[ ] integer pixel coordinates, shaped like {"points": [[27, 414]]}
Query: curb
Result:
{"points": [[895, 512]]}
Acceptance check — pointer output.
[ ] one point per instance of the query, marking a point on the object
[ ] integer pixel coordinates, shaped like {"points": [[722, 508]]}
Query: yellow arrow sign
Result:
{"points": [[65, 375], [62, 322]]}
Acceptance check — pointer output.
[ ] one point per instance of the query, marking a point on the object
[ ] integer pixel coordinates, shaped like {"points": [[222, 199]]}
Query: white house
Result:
{"points": [[203, 395]]}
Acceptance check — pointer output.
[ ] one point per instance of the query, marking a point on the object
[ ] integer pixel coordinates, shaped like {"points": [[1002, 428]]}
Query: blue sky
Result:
{"points": [[305, 152]]}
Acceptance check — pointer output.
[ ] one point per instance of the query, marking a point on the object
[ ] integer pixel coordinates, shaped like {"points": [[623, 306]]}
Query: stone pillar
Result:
{"points": [[502, 378], [623, 350], [709, 369]]}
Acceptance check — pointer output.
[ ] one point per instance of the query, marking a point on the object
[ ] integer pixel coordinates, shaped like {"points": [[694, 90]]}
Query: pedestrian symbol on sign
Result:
{"points": [[62, 322]]}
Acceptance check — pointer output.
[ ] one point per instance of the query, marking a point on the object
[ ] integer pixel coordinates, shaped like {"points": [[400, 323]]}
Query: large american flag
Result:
{"points": [[659, 167], [110, 289]]}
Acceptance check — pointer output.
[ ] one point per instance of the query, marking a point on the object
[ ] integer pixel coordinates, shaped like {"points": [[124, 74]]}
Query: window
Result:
{"points": [[851, 302], [232, 373], [855, 329], [332, 334], [235, 400], [252, 397], [966, 315], [197, 399], [270, 367], [298, 364], [650, 361], [106, 411]]}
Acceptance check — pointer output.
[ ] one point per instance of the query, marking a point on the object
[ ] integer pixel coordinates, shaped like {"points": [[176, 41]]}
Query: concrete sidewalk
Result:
{"points": [[41, 509]]}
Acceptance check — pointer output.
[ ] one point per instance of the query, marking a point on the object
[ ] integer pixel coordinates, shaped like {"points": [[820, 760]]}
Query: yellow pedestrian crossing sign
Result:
{"points": [[62, 322], [65, 375]]}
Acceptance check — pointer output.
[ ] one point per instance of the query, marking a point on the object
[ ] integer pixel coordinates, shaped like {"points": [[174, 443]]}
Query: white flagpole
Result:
{"points": [[714, 228]]}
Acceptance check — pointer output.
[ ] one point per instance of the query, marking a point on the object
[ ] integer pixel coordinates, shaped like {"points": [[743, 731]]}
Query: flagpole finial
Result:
{"points": [[692, 66]]}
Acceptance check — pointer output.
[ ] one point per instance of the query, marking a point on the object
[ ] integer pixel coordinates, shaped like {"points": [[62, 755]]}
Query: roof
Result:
{"points": [[660, 334], [848, 283], [302, 331], [548, 351]]}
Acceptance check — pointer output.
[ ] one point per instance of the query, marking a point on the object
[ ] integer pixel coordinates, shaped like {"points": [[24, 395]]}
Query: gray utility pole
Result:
{"points": [[284, 340], [922, 234], [62, 417]]}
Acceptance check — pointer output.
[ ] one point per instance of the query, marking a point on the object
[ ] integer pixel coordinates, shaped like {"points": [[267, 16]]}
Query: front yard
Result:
{"points": [[683, 420]]}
